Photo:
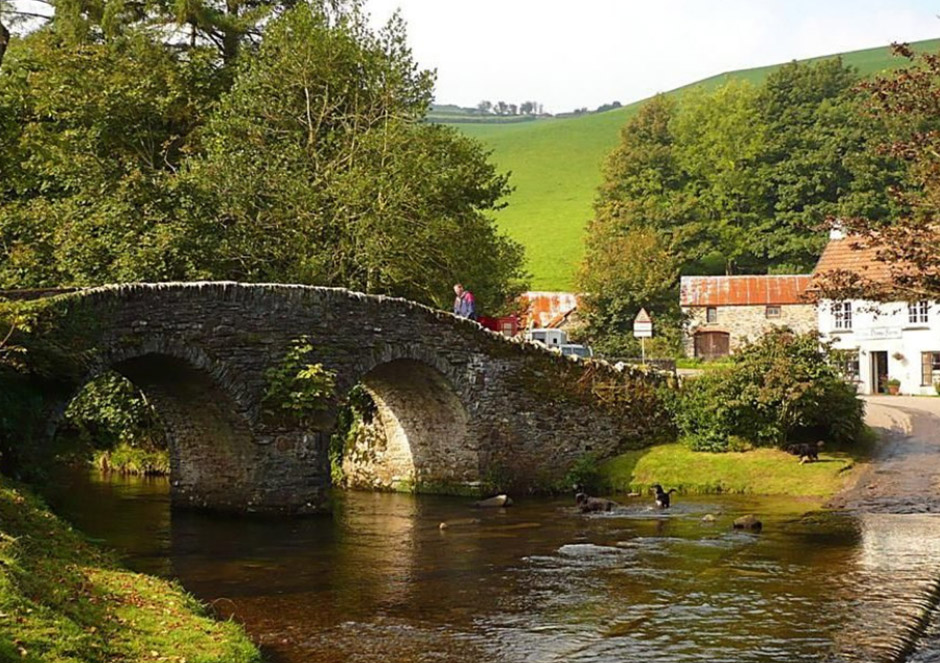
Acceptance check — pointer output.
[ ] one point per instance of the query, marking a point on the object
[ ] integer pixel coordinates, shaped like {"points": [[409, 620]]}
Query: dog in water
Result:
{"points": [[589, 504], [662, 496], [806, 451]]}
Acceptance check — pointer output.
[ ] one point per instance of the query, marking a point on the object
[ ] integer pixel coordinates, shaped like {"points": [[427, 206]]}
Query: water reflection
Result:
{"points": [[381, 581]]}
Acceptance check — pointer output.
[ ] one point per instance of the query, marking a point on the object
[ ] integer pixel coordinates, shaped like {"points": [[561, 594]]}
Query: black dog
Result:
{"points": [[587, 504], [662, 497], [805, 451]]}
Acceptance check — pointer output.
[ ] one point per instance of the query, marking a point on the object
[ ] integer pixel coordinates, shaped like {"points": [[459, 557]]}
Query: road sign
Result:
{"points": [[643, 325]]}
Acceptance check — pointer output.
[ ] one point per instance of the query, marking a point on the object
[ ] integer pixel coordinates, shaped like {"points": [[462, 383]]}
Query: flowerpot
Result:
{"points": [[893, 389]]}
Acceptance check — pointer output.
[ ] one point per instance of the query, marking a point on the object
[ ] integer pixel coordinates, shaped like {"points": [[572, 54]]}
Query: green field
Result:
{"points": [[556, 168]]}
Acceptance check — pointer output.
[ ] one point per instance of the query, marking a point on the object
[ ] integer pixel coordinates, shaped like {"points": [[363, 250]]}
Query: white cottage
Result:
{"points": [[880, 341]]}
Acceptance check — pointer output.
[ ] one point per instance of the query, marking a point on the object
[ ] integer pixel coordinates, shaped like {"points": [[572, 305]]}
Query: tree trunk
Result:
{"points": [[4, 41]]}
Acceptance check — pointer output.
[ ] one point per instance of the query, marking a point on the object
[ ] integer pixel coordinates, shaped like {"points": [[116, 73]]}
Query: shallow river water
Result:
{"points": [[382, 582]]}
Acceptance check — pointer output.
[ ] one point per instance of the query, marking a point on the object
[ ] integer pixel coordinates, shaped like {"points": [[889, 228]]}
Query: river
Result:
{"points": [[382, 582]]}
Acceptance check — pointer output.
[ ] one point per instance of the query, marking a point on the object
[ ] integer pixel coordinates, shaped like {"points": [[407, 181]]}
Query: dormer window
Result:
{"points": [[842, 315], [917, 312]]}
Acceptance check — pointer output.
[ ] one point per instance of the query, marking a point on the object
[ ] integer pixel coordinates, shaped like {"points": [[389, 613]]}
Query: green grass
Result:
{"points": [[556, 169], [757, 472], [62, 600], [126, 459]]}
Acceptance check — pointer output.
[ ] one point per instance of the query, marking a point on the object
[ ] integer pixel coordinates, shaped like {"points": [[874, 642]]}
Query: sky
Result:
{"points": [[584, 53]]}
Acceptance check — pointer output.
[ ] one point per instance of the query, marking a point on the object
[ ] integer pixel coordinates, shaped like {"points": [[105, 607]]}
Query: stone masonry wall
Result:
{"points": [[745, 323], [469, 403]]}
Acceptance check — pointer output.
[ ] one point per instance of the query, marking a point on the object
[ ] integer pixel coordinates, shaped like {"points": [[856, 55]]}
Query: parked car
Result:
{"points": [[577, 350]]}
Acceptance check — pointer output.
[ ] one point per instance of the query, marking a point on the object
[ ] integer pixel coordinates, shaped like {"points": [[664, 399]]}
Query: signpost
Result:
{"points": [[643, 329]]}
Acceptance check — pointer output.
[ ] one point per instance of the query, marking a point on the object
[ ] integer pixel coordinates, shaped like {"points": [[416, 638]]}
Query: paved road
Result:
{"points": [[905, 477]]}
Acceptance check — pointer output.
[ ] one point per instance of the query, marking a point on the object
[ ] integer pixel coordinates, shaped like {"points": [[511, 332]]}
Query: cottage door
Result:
{"points": [[879, 372]]}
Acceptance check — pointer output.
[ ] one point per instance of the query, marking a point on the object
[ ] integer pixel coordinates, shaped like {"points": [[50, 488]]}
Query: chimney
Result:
{"points": [[836, 230]]}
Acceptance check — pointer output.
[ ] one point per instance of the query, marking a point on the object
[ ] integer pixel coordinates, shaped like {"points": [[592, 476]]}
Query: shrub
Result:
{"points": [[295, 386], [781, 388], [704, 412], [584, 473]]}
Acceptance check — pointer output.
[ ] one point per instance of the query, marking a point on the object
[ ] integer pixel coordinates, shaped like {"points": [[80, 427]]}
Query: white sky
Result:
{"points": [[588, 52]]}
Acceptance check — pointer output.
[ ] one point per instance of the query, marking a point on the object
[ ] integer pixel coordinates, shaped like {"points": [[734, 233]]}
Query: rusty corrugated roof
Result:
{"points": [[546, 309], [754, 290]]}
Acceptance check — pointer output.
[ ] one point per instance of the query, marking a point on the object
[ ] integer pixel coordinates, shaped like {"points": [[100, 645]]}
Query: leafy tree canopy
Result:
{"points": [[128, 153]]}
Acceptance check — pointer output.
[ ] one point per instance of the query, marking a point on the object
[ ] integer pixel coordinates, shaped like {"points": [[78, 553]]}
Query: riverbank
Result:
{"points": [[756, 472], [64, 600]]}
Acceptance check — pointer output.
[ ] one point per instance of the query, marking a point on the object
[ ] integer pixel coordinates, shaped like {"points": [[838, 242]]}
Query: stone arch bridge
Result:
{"points": [[461, 408]]}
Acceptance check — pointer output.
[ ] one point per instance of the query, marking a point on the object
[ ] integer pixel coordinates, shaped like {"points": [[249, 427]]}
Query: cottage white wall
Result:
{"points": [[885, 327], [745, 323]]}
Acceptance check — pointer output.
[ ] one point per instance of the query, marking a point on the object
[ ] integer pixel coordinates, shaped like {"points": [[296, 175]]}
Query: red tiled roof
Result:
{"points": [[743, 290], [849, 254]]}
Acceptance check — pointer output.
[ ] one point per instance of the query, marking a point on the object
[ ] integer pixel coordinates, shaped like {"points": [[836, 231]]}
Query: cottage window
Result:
{"points": [[917, 312], [711, 314], [847, 362], [930, 361], [842, 313], [772, 312]]}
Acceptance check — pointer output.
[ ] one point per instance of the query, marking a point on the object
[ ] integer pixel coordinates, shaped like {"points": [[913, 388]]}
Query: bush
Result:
{"points": [[584, 473], [782, 388]]}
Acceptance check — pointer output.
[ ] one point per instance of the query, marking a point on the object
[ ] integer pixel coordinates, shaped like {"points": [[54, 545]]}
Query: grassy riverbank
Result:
{"points": [[62, 600], [757, 472]]}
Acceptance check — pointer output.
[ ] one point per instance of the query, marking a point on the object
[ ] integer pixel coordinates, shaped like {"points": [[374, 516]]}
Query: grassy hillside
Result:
{"points": [[556, 168]]}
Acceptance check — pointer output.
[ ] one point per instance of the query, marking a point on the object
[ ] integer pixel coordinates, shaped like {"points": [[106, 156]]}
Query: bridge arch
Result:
{"points": [[419, 439], [209, 438]]}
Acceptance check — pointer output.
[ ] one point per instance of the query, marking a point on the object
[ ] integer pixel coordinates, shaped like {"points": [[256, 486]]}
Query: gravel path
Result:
{"points": [[905, 476]]}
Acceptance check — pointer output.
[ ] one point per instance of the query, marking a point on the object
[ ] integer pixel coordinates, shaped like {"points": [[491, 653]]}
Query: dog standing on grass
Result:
{"points": [[806, 451]]}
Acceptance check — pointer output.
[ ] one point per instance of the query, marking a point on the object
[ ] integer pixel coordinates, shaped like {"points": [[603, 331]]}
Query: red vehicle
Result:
{"points": [[507, 325]]}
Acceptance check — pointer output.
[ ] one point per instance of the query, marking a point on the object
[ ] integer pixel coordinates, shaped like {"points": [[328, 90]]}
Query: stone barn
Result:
{"points": [[725, 312]]}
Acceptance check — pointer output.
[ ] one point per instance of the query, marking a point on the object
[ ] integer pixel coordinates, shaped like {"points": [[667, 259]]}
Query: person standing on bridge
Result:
{"points": [[464, 304]]}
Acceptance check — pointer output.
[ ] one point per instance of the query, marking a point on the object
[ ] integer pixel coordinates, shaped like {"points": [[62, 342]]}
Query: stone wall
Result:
{"points": [[745, 323], [458, 403]]}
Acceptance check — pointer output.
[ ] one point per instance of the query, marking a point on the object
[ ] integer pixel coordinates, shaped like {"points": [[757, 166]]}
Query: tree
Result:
{"points": [[485, 107], [94, 134], [812, 162], [905, 240], [628, 270], [318, 169], [718, 141]]}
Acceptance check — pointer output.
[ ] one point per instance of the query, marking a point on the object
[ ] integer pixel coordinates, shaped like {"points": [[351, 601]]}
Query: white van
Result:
{"points": [[553, 338]]}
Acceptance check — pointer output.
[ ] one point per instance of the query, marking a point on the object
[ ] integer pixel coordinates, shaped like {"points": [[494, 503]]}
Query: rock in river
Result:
{"points": [[749, 521], [495, 501]]}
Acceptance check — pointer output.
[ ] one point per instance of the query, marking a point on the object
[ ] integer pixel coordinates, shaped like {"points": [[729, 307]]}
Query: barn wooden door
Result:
{"points": [[711, 345]]}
